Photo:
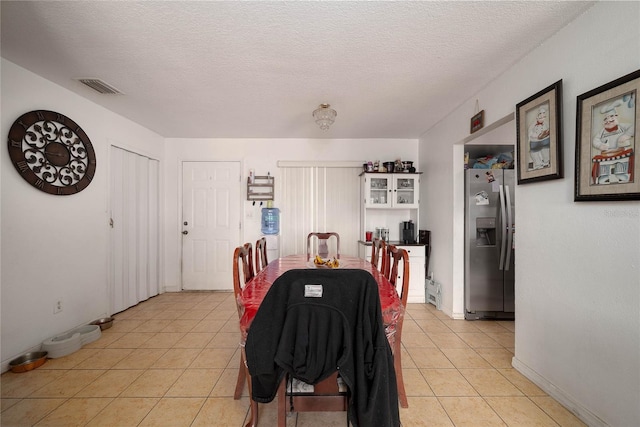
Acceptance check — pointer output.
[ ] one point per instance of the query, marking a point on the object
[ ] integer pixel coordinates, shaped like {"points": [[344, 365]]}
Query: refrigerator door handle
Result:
{"points": [[509, 228], [501, 227]]}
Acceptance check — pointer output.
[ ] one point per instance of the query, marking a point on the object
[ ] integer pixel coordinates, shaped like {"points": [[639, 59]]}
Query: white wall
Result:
{"points": [[262, 155], [56, 247], [577, 264]]}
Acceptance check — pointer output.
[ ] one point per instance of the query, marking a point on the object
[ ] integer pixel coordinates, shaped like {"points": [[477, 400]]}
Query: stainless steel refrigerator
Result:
{"points": [[489, 244]]}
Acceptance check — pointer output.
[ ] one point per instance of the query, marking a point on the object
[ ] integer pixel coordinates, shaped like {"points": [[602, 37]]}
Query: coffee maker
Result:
{"points": [[407, 232]]}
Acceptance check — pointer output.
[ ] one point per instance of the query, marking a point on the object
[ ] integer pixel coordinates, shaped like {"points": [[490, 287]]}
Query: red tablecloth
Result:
{"points": [[257, 288]]}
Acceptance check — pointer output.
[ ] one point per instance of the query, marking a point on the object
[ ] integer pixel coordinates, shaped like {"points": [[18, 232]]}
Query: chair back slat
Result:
{"points": [[322, 244], [379, 254], [261, 254]]}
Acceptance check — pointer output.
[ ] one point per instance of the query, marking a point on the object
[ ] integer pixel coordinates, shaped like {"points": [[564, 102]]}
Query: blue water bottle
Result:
{"points": [[270, 220]]}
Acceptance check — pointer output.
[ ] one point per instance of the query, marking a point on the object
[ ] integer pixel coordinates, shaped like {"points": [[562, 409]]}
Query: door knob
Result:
{"points": [[185, 232]]}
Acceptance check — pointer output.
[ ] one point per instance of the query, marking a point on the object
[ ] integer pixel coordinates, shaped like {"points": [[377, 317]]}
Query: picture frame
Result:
{"points": [[539, 136], [477, 122], [607, 163]]}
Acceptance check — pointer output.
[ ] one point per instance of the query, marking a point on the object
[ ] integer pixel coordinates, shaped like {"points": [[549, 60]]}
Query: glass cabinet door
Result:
{"points": [[377, 190], [406, 191]]}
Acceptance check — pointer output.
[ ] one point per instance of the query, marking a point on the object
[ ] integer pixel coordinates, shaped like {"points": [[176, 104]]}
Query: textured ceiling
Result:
{"points": [[258, 69]]}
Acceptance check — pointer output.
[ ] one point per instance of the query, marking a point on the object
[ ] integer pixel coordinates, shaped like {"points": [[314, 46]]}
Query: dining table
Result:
{"points": [[255, 290]]}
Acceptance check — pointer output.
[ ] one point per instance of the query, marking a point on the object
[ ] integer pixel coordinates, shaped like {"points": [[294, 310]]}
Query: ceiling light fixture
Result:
{"points": [[325, 116]]}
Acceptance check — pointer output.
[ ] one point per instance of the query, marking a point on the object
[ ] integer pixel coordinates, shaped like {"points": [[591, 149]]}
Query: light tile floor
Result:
{"points": [[173, 361]]}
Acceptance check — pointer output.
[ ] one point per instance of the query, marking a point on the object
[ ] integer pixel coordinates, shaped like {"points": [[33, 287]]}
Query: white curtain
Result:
{"points": [[322, 199]]}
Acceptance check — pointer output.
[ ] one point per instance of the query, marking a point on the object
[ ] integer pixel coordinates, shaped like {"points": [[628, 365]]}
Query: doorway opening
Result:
{"points": [[501, 132]]}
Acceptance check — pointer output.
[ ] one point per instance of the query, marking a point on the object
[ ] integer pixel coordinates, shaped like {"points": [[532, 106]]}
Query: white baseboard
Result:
{"points": [[565, 400]]}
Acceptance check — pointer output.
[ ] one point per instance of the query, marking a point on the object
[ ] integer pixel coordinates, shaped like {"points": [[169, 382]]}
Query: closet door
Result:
{"points": [[142, 223], [134, 222], [153, 224], [118, 280]]}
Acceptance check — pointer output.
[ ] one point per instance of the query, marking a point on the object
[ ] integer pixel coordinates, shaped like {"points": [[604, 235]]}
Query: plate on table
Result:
{"points": [[328, 263]]}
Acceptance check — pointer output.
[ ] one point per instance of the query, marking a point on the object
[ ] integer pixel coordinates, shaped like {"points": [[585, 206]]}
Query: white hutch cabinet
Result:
{"points": [[387, 200], [391, 190]]}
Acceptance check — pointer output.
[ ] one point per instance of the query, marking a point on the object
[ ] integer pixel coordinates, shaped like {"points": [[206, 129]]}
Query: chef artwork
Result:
{"points": [[613, 126], [539, 138]]}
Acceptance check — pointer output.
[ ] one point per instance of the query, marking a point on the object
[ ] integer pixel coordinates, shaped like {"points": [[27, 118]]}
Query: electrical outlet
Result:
{"points": [[57, 308]]}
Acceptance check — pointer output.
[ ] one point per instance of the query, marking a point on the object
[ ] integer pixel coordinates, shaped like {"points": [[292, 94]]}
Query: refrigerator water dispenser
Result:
{"points": [[485, 231]]}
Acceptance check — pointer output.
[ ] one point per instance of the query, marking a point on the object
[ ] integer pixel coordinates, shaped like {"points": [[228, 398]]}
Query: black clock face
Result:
{"points": [[51, 152]]}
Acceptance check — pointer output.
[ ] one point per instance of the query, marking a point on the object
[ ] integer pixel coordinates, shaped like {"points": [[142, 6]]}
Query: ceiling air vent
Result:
{"points": [[100, 86]]}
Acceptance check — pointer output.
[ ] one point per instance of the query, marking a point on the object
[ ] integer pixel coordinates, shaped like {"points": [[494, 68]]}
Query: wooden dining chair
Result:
{"points": [[327, 396], [261, 254], [322, 244], [379, 254], [242, 273], [270, 334], [399, 257]]}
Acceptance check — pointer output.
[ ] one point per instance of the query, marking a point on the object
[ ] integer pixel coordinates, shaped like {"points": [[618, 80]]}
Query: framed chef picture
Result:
{"points": [[607, 166], [539, 135]]}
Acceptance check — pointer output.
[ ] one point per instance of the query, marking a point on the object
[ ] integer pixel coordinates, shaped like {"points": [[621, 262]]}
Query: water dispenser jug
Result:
{"points": [[270, 220]]}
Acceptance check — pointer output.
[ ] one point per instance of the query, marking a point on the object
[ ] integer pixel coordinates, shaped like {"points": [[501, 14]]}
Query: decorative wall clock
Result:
{"points": [[51, 152]]}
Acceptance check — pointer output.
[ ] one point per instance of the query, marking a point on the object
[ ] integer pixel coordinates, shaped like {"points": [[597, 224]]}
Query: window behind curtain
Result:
{"points": [[319, 198]]}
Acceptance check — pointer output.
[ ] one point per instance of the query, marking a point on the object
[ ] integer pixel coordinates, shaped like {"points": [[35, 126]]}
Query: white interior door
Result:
{"points": [[210, 223], [135, 210]]}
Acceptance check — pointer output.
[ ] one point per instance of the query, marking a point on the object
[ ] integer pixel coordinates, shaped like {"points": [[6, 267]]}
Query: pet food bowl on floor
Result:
{"points": [[88, 333], [62, 345], [104, 323], [28, 361]]}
